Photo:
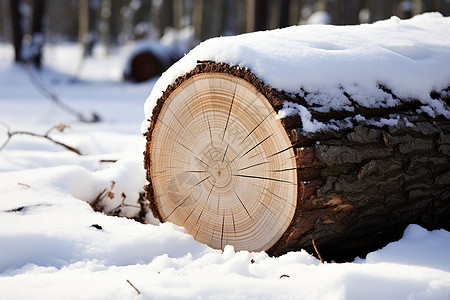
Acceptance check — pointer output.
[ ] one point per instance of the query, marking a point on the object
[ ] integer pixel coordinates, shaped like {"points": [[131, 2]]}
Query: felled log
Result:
{"points": [[143, 66], [149, 59], [222, 165], [227, 159]]}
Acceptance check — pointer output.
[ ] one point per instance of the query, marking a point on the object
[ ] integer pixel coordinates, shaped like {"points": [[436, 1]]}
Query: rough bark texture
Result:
{"points": [[358, 187], [373, 182]]}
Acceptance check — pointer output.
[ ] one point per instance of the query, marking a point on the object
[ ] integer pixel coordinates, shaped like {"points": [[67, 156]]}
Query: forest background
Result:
{"points": [[113, 23]]}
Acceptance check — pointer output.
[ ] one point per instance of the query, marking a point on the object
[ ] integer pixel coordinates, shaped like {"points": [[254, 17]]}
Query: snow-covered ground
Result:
{"points": [[49, 248]]}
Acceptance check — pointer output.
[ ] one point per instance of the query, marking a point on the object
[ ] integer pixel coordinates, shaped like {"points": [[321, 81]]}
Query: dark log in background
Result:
{"points": [[144, 66], [358, 187]]}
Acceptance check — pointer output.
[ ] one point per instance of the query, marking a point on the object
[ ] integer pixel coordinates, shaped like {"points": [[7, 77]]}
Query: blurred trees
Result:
{"points": [[116, 22], [27, 44], [17, 32]]}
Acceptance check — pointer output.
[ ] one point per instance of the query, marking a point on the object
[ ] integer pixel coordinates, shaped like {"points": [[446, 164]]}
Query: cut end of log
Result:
{"points": [[221, 164]]}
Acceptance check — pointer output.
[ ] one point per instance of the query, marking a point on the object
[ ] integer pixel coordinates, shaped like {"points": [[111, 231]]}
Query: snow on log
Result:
{"points": [[255, 147]]}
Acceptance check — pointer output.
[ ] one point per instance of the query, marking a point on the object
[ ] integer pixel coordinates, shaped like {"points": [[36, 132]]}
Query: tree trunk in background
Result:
{"points": [[257, 15], [351, 12], [83, 25], [17, 30], [166, 16], [230, 17], [5, 14], [429, 5], [198, 20], [284, 13], [379, 9], [294, 12], [261, 11], [178, 14], [105, 24], [212, 19], [240, 22], [37, 33], [250, 10], [209, 18], [344, 12]]}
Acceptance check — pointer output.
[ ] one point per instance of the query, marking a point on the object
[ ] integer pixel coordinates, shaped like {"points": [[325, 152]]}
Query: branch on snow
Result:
{"points": [[60, 127]]}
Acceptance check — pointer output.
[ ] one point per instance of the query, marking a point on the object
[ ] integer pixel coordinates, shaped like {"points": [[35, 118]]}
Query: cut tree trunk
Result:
{"points": [[221, 164]]}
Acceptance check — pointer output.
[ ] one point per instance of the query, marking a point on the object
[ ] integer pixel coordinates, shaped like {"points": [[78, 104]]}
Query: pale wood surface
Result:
{"points": [[222, 165]]}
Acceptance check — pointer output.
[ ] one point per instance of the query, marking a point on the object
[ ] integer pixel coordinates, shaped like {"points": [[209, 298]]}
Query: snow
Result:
{"points": [[407, 56], [309, 125], [54, 246]]}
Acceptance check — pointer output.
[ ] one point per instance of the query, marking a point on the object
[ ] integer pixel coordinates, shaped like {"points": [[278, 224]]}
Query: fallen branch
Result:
{"points": [[317, 251], [118, 209], [60, 127], [134, 287], [56, 100], [97, 204]]}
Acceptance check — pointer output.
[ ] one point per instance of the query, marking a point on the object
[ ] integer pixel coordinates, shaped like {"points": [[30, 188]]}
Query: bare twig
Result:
{"points": [[117, 210], [317, 251], [97, 204], [59, 127], [134, 287], [56, 100]]}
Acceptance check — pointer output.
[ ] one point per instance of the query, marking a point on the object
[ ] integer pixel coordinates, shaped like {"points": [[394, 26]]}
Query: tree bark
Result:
{"points": [[261, 15], [17, 30], [166, 18], [105, 30], [257, 15], [37, 33], [356, 188], [284, 13], [83, 25], [198, 19]]}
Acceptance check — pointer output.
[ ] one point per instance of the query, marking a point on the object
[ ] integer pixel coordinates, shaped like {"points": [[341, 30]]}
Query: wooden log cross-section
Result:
{"points": [[221, 164]]}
